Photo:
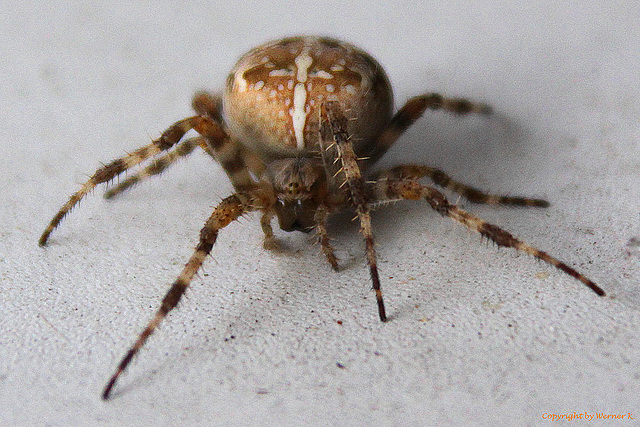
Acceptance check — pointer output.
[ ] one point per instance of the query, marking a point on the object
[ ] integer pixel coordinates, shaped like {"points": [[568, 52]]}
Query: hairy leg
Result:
{"points": [[207, 104], [445, 181], [226, 212], [269, 242], [210, 105], [168, 139], [323, 236], [334, 129], [413, 110], [158, 166], [409, 189]]}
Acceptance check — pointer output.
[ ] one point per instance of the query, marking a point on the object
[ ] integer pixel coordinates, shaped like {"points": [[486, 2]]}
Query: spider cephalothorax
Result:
{"points": [[300, 123], [300, 187]]}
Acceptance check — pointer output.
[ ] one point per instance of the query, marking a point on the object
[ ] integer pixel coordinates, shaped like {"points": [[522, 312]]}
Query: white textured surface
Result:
{"points": [[476, 335]]}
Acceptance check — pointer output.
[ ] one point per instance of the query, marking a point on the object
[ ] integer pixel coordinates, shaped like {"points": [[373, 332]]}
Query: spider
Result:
{"points": [[297, 129]]}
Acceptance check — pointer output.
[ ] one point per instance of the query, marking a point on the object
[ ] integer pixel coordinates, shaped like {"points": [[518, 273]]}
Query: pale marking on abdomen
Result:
{"points": [[299, 115], [298, 112]]}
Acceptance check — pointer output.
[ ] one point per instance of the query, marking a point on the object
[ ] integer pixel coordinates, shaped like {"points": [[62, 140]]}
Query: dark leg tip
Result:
{"points": [[106, 393]]}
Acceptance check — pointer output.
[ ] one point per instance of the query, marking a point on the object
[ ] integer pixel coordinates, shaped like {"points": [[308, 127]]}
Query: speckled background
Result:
{"points": [[476, 335]]}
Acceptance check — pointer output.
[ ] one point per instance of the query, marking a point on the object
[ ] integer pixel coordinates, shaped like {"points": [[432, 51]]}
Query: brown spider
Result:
{"points": [[299, 125]]}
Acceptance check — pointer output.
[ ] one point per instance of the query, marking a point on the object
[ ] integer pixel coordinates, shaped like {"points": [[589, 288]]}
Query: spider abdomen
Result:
{"points": [[274, 93]]}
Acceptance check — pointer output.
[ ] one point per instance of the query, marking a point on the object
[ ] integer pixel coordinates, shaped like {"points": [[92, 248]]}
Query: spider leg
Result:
{"points": [[226, 212], [409, 189], [227, 152], [445, 181], [334, 128], [215, 136], [106, 173], [207, 104], [321, 217], [269, 242], [158, 166], [413, 110], [210, 105]]}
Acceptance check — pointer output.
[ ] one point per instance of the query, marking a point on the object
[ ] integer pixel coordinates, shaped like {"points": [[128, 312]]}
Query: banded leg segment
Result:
{"points": [[321, 217], [106, 173], [226, 152], [226, 212], [334, 126], [158, 166], [411, 190], [413, 110], [269, 241], [235, 161], [443, 180], [208, 105]]}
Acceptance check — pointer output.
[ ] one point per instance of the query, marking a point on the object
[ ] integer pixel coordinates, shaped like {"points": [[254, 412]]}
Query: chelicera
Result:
{"points": [[297, 130]]}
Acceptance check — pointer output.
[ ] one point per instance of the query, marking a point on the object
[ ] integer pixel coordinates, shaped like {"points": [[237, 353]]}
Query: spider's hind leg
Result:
{"points": [[410, 189], [443, 180], [412, 110]]}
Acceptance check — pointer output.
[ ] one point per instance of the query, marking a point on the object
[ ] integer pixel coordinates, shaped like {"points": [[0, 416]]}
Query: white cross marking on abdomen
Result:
{"points": [[298, 112]]}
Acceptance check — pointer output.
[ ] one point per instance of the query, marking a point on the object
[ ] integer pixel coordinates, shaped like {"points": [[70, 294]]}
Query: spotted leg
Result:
{"points": [[445, 181], [413, 110], [226, 212], [334, 129], [205, 104], [408, 189]]}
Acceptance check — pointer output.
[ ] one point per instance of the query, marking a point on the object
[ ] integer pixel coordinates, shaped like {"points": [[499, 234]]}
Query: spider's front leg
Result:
{"points": [[334, 128], [411, 189], [226, 212], [216, 138], [216, 144], [158, 166], [106, 173]]}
